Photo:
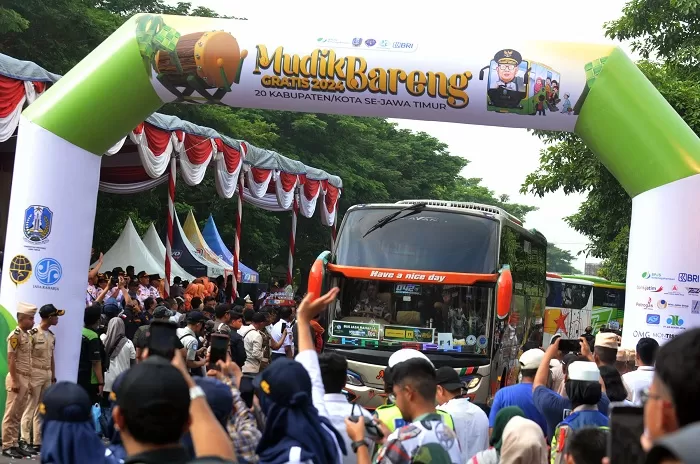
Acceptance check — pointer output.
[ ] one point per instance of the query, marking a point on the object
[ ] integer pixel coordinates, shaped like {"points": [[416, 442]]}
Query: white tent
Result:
{"points": [[129, 250], [157, 249]]}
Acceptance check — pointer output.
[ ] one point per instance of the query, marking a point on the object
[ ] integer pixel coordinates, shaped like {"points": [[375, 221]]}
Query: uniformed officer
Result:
{"points": [[19, 366], [43, 374], [144, 290]]}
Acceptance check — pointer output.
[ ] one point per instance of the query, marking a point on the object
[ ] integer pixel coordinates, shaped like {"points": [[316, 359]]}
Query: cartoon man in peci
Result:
{"points": [[507, 63]]}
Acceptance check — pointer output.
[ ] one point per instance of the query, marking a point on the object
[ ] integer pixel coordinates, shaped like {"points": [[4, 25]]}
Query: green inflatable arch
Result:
{"points": [[595, 91]]}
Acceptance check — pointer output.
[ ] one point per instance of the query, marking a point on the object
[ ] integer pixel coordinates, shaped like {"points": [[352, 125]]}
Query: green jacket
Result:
{"points": [[391, 416]]}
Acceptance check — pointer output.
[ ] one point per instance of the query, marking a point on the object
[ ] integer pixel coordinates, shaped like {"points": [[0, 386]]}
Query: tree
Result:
{"points": [[658, 30], [559, 260]]}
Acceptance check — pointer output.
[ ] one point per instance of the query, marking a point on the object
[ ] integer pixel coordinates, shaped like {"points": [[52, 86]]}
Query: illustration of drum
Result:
{"points": [[207, 60]]}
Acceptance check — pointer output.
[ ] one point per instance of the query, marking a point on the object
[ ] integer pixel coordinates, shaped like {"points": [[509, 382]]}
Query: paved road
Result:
{"points": [[4, 460]]}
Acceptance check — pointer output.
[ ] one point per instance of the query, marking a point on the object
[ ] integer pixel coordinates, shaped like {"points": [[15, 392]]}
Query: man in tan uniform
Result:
{"points": [[43, 375], [19, 367]]}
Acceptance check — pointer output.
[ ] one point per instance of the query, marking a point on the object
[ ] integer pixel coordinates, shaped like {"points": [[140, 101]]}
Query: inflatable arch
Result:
{"points": [[595, 91]]}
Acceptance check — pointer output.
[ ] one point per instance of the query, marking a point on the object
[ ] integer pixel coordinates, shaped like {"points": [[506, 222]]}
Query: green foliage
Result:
{"points": [[658, 30], [377, 161], [559, 260]]}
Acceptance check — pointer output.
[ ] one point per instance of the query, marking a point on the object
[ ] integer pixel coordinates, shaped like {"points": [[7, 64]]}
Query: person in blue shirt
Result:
{"points": [[550, 404], [520, 395]]}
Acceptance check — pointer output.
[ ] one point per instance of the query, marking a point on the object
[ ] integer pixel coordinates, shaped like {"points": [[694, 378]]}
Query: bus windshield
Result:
{"points": [[424, 241], [429, 317]]}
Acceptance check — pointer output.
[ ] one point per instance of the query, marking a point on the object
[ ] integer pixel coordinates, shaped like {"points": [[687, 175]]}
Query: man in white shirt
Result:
{"points": [[189, 337], [334, 368], [277, 332], [638, 381], [471, 422], [144, 290], [253, 343]]}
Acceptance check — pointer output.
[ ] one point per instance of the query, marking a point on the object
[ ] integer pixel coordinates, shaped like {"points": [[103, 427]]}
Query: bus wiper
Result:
{"points": [[416, 208]]}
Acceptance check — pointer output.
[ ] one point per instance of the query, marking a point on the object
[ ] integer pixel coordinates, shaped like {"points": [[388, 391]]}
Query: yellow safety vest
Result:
{"points": [[391, 415]]}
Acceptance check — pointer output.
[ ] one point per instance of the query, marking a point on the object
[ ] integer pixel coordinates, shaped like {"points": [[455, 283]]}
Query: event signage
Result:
{"points": [[408, 334], [358, 330]]}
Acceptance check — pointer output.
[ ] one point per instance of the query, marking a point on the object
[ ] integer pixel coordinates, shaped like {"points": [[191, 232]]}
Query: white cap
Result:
{"points": [[583, 370], [531, 359], [405, 354]]}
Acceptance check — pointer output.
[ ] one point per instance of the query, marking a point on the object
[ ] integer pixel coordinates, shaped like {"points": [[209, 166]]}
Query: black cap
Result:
{"points": [[508, 56], [49, 310], [117, 270], [66, 402], [152, 387], [283, 381], [448, 378], [141, 274], [161, 312], [154, 277], [194, 317], [259, 317]]}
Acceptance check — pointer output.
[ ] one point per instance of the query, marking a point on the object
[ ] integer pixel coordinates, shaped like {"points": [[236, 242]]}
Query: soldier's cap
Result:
{"points": [[49, 310], [153, 389], [26, 308], [194, 317], [66, 402], [508, 56], [154, 277], [141, 274], [161, 312]]}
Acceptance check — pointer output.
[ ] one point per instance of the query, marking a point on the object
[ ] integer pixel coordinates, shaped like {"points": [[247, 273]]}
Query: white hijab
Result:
{"points": [[523, 443]]}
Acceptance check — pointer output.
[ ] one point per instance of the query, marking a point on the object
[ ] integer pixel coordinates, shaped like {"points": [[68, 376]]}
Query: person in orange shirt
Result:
{"points": [[318, 334]]}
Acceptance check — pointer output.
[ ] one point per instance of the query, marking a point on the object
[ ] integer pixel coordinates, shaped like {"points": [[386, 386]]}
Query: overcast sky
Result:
{"points": [[488, 149]]}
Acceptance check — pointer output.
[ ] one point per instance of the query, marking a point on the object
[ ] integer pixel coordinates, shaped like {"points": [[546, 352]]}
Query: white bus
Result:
{"points": [[568, 309]]}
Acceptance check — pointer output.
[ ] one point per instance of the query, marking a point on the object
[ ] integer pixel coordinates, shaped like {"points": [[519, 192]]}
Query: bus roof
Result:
{"points": [[557, 278], [598, 281]]}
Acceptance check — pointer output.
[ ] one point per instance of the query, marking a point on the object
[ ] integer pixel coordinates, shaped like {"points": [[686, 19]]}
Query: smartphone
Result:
{"points": [[247, 390], [570, 346], [284, 326], [162, 337], [626, 429], [219, 348], [371, 428]]}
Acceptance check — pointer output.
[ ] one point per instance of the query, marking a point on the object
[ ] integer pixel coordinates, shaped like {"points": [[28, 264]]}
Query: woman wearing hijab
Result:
{"points": [[68, 434], [492, 455], [120, 351], [523, 443]]}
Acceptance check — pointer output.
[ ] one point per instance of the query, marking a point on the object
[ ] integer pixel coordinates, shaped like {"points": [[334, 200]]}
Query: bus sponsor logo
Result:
{"points": [[359, 330], [674, 291], [653, 319], [645, 305], [407, 276], [407, 289], [650, 288], [408, 334], [661, 335], [656, 276], [683, 277]]}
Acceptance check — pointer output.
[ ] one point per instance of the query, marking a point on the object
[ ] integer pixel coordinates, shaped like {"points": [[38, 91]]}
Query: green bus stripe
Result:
{"points": [[633, 130], [102, 98]]}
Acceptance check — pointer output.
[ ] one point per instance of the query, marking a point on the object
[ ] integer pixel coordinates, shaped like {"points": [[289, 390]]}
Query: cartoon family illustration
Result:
{"points": [[519, 86]]}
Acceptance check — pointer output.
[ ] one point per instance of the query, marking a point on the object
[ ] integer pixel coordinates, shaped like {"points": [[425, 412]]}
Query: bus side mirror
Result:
{"points": [[317, 275], [481, 73], [504, 292]]}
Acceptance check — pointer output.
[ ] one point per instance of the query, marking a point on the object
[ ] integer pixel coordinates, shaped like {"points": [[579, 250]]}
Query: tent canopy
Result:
{"points": [[212, 237], [187, 257], [194, 235], [157, 249], [129, 250]]}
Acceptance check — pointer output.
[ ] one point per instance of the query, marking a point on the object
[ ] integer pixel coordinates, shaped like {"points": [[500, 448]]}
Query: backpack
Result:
{"points": [[582, 417], [84, 363]]}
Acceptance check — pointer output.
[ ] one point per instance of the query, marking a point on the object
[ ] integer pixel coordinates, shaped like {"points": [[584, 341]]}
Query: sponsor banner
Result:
{"points": [[359, 330], [49, 232], [408, 334], [405, 275], [241, 64], [663, 274]]}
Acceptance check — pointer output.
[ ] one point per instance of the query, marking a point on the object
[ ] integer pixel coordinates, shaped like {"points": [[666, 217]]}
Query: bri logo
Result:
{"points": [[683, 277]]}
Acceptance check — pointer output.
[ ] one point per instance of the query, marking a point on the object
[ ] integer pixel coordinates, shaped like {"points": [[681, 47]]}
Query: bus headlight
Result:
{"points": [[472, 382], [351, 378]]}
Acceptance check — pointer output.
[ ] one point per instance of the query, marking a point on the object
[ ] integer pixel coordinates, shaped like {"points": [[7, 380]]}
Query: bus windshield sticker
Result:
{"points": [[408, 334], [359, 330], [482, 341], [471, 340], [407, 289], [445, 340]]}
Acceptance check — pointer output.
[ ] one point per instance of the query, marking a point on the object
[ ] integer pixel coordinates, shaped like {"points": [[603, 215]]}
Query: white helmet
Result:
{"points": [[405, 354]]}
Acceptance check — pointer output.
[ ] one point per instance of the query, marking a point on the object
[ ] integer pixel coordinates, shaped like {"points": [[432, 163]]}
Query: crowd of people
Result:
{"points": [[279, 398]]}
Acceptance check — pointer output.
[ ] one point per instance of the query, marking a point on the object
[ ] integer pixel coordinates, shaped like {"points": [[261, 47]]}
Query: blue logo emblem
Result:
{"points": [[384, 43], [675, 321], [37, 223], [48, 272], [370, 42], [357, 41], [653, 319], [482, 341]]}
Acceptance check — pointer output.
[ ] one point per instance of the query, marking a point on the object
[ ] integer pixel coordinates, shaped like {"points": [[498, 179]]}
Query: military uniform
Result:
{"points": [[19, 346], [43, 346]]}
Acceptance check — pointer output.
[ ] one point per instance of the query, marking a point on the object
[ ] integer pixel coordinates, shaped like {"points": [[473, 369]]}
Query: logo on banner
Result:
{"points": [[695, 307], [38, 220], [48, 272], [662, 304], [653, 319], [683, 277], [647, 305], [370, 42], [357, 41], [402, 45], [693, 290], [384, 43], [674, 321], [20, 269], [176, 254], [674, 291], [655, 275], [650, 288]]}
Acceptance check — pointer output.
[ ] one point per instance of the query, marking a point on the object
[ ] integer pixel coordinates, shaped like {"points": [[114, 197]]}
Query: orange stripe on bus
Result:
{"points": [[409, 275]]}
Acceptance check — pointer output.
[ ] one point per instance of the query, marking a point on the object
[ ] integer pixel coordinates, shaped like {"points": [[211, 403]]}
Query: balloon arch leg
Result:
{"points": [[595, 91]]}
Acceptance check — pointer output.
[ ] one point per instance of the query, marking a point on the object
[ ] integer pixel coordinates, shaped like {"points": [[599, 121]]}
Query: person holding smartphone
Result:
{"points": [[280, 333]]}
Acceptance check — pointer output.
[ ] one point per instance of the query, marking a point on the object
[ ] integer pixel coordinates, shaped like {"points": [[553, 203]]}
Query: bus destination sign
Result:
{"points": [[358, 330]]}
